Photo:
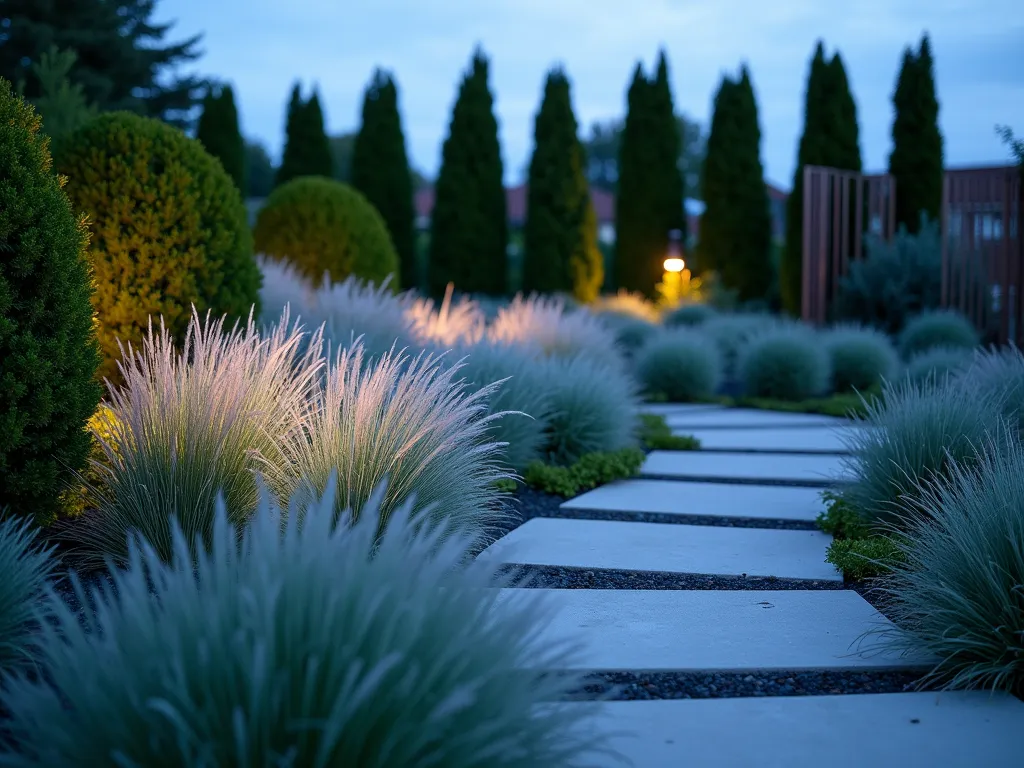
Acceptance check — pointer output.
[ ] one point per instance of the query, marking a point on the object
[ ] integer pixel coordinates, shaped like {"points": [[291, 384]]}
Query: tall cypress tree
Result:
{"points": [[218, 131], [831, 139], [649, 202], [469, 226], [306, 148], [380, 169], [735, 231], [916, 161], [560, 237]]}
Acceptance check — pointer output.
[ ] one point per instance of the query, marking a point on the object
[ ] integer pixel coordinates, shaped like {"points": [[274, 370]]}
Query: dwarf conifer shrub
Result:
{"points": [[25, 567], [681, 364], [937, 328], [784, 363], [48, 354], [913, 434], [325, 227], [169, 229], [860, 358], [593, 410], [409, 420], [286, 642], [193, 423], [957, 593]]}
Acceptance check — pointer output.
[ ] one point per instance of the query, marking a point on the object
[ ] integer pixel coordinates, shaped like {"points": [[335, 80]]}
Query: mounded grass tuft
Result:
{"points": [[912, 434], [631, 333], [286, 642], [937, 363], [937, 328], [284, 286], [627, 304], [689, 315], [785, 362], [959, 592], [593, 410], [452, 323], [681, 364], [731, 331], [25, 567], [1000, 372], [860, 358]]}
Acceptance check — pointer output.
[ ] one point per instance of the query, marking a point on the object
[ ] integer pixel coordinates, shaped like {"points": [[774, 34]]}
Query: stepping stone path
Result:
{"points": [[739, 511]]}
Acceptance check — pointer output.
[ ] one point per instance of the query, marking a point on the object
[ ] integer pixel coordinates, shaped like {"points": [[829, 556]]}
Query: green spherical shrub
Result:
{"points": [[689, 314], [784, 363], [937, 363], [861, 358], [169, 229], [48, 354], [682, 365], [938, 328], [325, 227], [285, 642]]}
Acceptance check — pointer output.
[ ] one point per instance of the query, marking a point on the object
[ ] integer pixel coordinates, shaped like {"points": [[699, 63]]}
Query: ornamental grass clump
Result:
{"points": [[284, 286], [189, 424], [521, 402], [627, 304], [785, 362], [25, 568], [913, 433], [594, 409], [285, 642], [545, 323], [937, 363], [459, 322], [689, 315], [630, 333], [937, 328], [731, 331], [408, 420], [860, 357], [958, 593], [683, 365], [353, 308], [1000, 372]]}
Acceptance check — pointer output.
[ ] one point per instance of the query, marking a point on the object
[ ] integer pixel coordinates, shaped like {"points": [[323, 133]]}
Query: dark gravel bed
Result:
{"points": [[661, 517], [558, 577], [633, 686], [741, 480]]}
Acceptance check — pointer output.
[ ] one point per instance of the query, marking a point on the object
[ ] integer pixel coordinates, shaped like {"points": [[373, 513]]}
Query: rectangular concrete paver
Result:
{"points": [[780, 467], [888, 730], [710, 630], [678, 409], [731, 418], [811, 439], [667, 548], [676, 497]]}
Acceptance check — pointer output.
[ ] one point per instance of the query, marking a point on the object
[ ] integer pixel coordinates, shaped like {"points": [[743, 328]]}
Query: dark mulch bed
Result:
{"points": [[633, 686], [557, 577]]}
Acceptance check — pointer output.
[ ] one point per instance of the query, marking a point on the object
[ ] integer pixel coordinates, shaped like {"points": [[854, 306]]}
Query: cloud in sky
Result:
{"points": [[263, 46]]}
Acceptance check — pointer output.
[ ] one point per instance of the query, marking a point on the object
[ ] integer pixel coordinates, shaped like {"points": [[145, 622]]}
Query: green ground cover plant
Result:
{"points": [[587, 473]]}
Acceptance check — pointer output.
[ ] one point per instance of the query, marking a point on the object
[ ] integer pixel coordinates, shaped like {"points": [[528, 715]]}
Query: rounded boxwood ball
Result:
{"points": [[169, 227], [323, 226]]}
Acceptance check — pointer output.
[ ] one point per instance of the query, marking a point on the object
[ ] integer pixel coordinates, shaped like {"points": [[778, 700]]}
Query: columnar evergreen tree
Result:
{"points": [[560, 237], [916, 161], [219, 133], [830, 138], [307, 151], [380, 170], [735, 230], [649, 203], [469, 227], [123, 60]]}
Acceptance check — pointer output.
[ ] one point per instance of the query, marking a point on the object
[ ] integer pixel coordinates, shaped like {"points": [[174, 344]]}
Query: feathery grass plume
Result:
{"points": [[411, 421], [545, 323], [937, 363], [626, 304], [682, 364], [283, 286], [595, 409], [1001, 372], [189, 424], [937, 328], [25, 567], [784, 362], [522, 401], [912, 434], [354, 308], [861, 357], [958, 593], [689, 314], [287, 643], [461, 322]]}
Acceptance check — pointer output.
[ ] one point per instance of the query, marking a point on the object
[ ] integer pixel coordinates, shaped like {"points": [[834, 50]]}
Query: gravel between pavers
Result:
{"points": [[791, 483], [632, 686], [562, 577]]}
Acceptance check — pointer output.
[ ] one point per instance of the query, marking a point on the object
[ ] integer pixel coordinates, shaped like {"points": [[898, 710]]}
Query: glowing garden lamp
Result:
{"points": [[674, 265]]}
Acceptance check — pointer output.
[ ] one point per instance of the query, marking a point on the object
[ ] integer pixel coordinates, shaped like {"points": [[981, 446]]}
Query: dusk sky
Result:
{"points": [[262, 46]]}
